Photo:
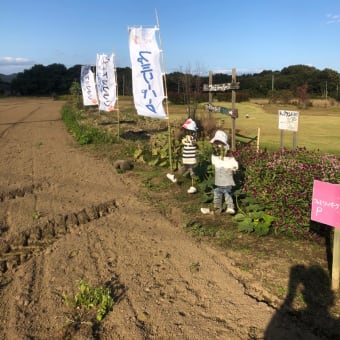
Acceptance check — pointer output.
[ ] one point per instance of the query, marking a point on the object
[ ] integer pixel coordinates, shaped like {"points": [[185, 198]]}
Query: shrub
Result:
{"points": [[83, 133], [283, 183]]}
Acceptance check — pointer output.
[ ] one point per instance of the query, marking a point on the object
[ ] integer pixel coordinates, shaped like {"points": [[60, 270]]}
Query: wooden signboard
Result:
{"points": [[289, 121]]}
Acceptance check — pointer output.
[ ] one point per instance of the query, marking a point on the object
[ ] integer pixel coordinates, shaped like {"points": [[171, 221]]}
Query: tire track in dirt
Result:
{"points": [[21, 246], [13, 124]]}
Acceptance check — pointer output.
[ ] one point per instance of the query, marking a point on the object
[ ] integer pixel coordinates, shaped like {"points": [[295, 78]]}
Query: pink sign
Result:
{"points": [[326, 203]]}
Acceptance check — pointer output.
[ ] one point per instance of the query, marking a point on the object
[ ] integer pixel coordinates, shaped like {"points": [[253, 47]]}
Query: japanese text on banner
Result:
{"points": [[106, 82], [147, 80], [88, 86]]}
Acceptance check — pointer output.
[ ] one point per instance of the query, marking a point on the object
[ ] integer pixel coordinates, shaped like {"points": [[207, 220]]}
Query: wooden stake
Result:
{"points": [[336, 259], [258, 140]]}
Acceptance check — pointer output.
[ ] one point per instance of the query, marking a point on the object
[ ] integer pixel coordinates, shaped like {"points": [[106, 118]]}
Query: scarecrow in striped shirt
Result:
{"points": [[189, 143]]}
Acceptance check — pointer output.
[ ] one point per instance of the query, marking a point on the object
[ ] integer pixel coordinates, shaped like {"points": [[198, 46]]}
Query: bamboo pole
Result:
{"points": [[258, 140], [165, 91], [117, 101]]}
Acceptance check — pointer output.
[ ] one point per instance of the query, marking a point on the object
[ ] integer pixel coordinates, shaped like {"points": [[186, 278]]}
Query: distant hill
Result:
{"points": [[7, 78]]}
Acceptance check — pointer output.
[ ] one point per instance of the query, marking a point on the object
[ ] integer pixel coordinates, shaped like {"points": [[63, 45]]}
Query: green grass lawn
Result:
{"points": [[319, 128], [319, 125]]}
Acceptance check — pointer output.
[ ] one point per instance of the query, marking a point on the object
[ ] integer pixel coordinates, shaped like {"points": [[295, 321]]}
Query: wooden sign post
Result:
{"points": [[222, 88], [336, 259], [288, 120], [210, 85], [233, 108], [326, 209]]}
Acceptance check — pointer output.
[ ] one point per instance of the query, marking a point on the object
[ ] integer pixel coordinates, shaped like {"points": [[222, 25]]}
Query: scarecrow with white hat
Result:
{"points": [[189, 143], [225, 167]]}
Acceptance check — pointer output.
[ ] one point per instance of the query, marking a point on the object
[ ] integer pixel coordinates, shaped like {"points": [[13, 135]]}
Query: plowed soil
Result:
{"points": [[66, 215]]}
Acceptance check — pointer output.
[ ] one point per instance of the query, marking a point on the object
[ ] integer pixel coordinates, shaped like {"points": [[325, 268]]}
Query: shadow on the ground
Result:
{"points": [[305, 312]]}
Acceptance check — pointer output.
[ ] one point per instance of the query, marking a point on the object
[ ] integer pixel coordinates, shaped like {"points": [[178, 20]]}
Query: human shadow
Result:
{"points": [[305, 312], [325, 231]]}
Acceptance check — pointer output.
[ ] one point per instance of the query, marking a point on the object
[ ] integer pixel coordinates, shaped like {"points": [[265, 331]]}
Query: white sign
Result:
{"points": [[288, 120]]}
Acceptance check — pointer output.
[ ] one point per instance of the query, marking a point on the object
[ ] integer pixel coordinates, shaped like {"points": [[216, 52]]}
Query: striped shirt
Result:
{"points": [[189, 150]]}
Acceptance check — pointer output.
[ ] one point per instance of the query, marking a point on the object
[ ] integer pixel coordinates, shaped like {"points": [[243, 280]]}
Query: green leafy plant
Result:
{"points": [[205, 172], [156, 153], [36, 215], [75, 91], [257, 221], [88, 297], [83, 133], [195, 267], [252, 218]]}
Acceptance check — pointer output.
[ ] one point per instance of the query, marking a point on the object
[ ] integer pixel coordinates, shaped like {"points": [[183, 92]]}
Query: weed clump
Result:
{"points": [[89, 297]]}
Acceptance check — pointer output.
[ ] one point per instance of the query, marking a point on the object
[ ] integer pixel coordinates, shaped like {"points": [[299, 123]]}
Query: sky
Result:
{"points": [[195, 35]]}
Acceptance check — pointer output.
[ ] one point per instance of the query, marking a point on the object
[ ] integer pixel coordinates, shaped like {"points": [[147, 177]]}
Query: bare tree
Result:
{"points": [[302, 94]]}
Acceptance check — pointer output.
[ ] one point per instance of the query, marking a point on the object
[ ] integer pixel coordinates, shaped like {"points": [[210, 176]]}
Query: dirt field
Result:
{"points": [[66, 215]]}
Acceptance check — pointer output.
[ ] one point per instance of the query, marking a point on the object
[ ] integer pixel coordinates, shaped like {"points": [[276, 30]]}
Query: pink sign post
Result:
{"points": [[326, 209]]}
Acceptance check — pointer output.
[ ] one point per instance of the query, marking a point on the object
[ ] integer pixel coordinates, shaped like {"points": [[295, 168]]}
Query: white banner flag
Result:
{"points": [[88, 86], [106, 82], [147, 80]]}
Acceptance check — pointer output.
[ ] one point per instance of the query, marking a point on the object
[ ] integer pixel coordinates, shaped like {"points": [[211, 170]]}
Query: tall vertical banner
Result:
{"points": [[106, 82], [147, 79], [88, 86]]}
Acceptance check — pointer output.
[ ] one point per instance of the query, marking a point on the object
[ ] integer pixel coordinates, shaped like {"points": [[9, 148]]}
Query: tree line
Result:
{"points": [[186, 87]]}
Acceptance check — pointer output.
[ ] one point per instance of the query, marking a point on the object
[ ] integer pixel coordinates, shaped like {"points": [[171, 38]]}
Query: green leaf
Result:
{"points": [[154, 152], [207, 198], [268, 219], [238, 217], [246, 225], [262, 229], [154, 162], [164, 163], [253, 207], [137, 153]]}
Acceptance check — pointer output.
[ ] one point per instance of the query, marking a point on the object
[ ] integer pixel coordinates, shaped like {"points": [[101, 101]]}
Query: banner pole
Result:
{"points": [[118, 118], [165, 90], [95, 80], [97, 84]]}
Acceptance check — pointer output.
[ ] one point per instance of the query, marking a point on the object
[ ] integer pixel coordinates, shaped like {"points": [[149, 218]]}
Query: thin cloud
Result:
{"points": [[15, 61], [333, 19], [11, 65]]}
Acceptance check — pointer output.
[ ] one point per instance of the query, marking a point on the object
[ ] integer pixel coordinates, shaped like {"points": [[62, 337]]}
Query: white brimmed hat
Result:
{"points": [[189, 124], [221, 137]]}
